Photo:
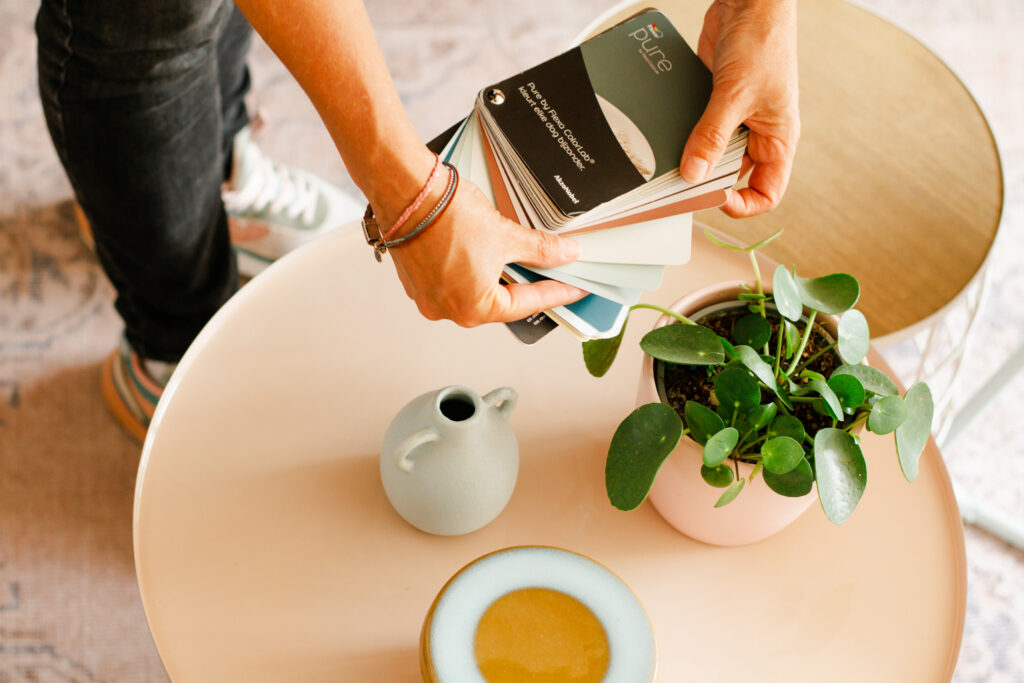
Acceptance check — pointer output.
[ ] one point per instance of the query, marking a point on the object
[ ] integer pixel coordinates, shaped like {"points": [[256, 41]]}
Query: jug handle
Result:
{"points": [[503, 399], [410, 443]]}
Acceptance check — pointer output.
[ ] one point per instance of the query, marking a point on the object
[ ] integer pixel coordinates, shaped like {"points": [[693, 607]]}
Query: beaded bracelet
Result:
{"points": [[381, 245]]}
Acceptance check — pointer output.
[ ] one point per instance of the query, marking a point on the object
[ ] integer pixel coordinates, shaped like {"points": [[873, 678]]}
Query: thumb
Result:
{"points": [[544, 249], [711, 135]]}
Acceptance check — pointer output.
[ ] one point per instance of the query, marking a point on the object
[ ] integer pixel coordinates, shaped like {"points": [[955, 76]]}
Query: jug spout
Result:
{"points": [[458, 405]]}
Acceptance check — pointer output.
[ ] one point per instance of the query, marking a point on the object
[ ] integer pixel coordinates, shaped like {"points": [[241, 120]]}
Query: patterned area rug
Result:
{"points": [[69, 604]]}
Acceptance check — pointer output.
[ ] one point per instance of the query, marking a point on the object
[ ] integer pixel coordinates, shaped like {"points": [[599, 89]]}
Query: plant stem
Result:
{"points": [[850, 427], [778, 349], [736, 462], [743, 441], [665, 311], [803, 343], [757, 279], [803, 399], [744, 446], [816, 356]]}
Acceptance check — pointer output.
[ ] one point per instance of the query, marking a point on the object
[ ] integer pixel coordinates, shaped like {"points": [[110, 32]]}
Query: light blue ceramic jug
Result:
{"points": [[449, 459]]}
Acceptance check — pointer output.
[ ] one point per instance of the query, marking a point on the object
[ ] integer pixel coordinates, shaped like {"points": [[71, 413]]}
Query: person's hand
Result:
{"points": [[452, 269], [750, 47]]}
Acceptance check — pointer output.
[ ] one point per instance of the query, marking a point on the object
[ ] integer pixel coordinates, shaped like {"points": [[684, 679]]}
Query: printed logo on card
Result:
{"points": [[648, 37]]}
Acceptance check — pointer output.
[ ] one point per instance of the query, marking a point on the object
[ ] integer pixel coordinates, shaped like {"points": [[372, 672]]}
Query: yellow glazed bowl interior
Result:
{"points": [[537, 614]]}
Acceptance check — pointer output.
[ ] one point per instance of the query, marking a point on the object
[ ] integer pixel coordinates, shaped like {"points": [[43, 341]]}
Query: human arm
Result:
{"points": [[750, 47], [452, 269]]}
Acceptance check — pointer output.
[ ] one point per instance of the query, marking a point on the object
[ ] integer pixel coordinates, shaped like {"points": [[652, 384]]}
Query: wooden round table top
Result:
{"points": [[897, 178], [267, 550]]}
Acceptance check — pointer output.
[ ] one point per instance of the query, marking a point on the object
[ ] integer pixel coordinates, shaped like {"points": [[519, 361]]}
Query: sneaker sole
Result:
{"points": [[115, 403], [84, 229], [250, 264]]}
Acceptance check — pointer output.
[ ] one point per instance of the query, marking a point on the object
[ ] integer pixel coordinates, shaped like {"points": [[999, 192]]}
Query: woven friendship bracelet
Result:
{"points": [[435, 213], [371, 230], [419, 198]]}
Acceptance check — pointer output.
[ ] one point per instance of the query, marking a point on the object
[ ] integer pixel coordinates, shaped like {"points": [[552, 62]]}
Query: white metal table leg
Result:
{"points": [[942, 352]]}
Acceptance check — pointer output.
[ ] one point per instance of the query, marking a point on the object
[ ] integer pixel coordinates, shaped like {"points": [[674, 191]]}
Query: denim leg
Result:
{"points": [[232, 50], [131, 95]]}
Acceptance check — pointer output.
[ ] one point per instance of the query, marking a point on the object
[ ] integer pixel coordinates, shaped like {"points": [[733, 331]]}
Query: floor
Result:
{"points": [[69, 605]]}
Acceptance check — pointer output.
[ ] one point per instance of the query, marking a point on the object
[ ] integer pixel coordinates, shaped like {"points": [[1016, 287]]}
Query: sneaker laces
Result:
{"points": [[263, 185]]}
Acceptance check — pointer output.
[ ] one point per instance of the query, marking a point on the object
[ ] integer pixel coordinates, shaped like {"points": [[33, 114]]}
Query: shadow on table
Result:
{"points": [[394, 666]]}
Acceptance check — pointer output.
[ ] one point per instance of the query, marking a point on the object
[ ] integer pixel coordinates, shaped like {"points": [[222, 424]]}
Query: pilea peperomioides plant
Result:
{"points": [[768, 404]]}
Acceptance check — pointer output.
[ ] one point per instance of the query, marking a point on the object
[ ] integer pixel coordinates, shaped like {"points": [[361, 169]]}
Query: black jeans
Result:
{"points": [[142, 100]]}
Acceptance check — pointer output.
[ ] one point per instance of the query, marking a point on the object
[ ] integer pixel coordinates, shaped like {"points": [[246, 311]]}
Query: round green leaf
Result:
{"points": [[752, 330], [701, 421], [849, 391], [872, 379], [912, 435], [781, 454], [684, 344], [756, 418], [793, 484], [854, 336], [730, 493], [887, 415], [720, 445], [735, 388], [832, 294], [786, 295], [787, 425], [752, 360], [719, 477], [834, 408], [599, 354], [640, 445], [842, 473]]}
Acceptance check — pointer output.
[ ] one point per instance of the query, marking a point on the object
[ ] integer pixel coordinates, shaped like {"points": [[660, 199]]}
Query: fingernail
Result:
{"points": [[695, 169], [571, 248]]}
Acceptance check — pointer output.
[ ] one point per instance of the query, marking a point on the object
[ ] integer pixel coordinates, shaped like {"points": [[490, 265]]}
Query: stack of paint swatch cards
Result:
{"points": [[588, 144]]}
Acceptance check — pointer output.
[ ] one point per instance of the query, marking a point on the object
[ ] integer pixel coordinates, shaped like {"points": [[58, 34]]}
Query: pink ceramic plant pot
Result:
{"points": [[680, 494]]}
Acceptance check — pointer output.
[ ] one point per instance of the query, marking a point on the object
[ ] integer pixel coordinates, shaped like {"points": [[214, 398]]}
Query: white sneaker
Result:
{"points": [[272, 209]]}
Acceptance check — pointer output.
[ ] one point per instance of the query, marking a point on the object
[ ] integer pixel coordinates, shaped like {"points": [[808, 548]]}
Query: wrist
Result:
{"points": [[395, 183], [383, 239]]}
